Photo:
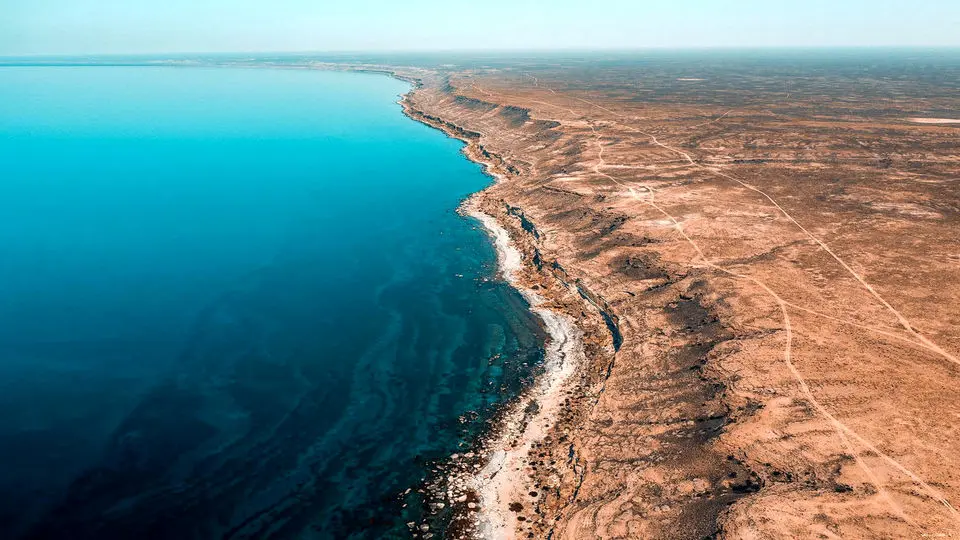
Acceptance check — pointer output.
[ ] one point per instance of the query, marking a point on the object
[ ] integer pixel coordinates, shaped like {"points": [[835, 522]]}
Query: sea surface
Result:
{"points": [[237, 303]]}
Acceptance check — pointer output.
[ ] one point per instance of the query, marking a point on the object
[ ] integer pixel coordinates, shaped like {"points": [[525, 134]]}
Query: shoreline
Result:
{"points": [[501, 482], [481, 486], [535, 479]]}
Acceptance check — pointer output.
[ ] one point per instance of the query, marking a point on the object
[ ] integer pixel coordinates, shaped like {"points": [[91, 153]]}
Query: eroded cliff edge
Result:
{"points": [[638, 421]]}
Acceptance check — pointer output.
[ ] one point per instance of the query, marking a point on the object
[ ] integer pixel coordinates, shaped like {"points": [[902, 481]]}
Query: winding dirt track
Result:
{"points": [[842, 429], [903, 320]]}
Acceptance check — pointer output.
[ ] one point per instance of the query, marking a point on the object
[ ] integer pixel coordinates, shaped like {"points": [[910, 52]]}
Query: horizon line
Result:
{"points": [[532, 50]]}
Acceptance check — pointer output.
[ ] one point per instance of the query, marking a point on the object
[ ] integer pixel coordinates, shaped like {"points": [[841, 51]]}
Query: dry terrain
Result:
{"points": [[766, 261]]}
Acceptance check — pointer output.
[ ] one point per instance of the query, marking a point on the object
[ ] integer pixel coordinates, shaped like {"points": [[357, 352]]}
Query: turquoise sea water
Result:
{"points": [[236, 303]]}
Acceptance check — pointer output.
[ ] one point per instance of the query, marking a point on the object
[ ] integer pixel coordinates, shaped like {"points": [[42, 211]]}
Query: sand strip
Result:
{"points": [[501, 481], [935, 120]]}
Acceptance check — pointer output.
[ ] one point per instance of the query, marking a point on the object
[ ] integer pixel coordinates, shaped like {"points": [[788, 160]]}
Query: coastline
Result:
{"points": [[370, 378], [500, 483], [502, 480], [539, 475], [480, 487]]}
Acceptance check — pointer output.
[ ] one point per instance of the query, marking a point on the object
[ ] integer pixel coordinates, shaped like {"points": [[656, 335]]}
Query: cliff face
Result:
{"points": [[639, 420], [741, 374]]}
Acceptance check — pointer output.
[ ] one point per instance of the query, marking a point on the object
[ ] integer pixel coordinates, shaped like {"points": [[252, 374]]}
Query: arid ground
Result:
{"points": [[766, 260]]}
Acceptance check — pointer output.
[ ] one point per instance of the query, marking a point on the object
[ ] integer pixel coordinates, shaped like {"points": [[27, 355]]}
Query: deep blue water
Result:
{"points": [[236, 303]]}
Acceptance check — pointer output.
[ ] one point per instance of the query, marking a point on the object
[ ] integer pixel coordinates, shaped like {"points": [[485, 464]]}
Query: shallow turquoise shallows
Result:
{"points": [[236, 303]]}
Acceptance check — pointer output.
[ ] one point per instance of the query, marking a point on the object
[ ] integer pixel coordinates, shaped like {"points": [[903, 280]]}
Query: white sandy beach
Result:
{"points": [[935, 120], [500, 481]]}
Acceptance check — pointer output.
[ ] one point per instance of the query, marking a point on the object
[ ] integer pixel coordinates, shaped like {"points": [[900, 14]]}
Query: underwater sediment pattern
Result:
{"points": [[238, 304]]}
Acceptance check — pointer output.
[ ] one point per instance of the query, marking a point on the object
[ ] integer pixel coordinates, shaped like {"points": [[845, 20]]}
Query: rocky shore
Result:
{"points": [[494, 497]]}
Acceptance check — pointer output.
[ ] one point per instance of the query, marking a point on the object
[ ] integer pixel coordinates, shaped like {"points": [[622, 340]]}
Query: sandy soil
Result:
{"points": [[936, 120], [767, 287]]}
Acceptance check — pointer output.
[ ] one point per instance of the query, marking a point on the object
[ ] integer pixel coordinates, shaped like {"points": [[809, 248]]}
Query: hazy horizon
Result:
{"points": [[492, 52], [142, 27]]}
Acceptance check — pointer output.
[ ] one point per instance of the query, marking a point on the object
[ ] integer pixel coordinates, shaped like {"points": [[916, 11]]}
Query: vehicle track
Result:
{"points": [[901, 319], [841, 429]]}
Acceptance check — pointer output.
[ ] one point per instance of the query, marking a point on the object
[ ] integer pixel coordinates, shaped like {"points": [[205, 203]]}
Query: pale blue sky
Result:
{"points": [[155, 26]]}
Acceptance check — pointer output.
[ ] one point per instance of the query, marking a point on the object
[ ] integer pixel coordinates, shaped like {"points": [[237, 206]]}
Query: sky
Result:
{"points": [[176, 26]]}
